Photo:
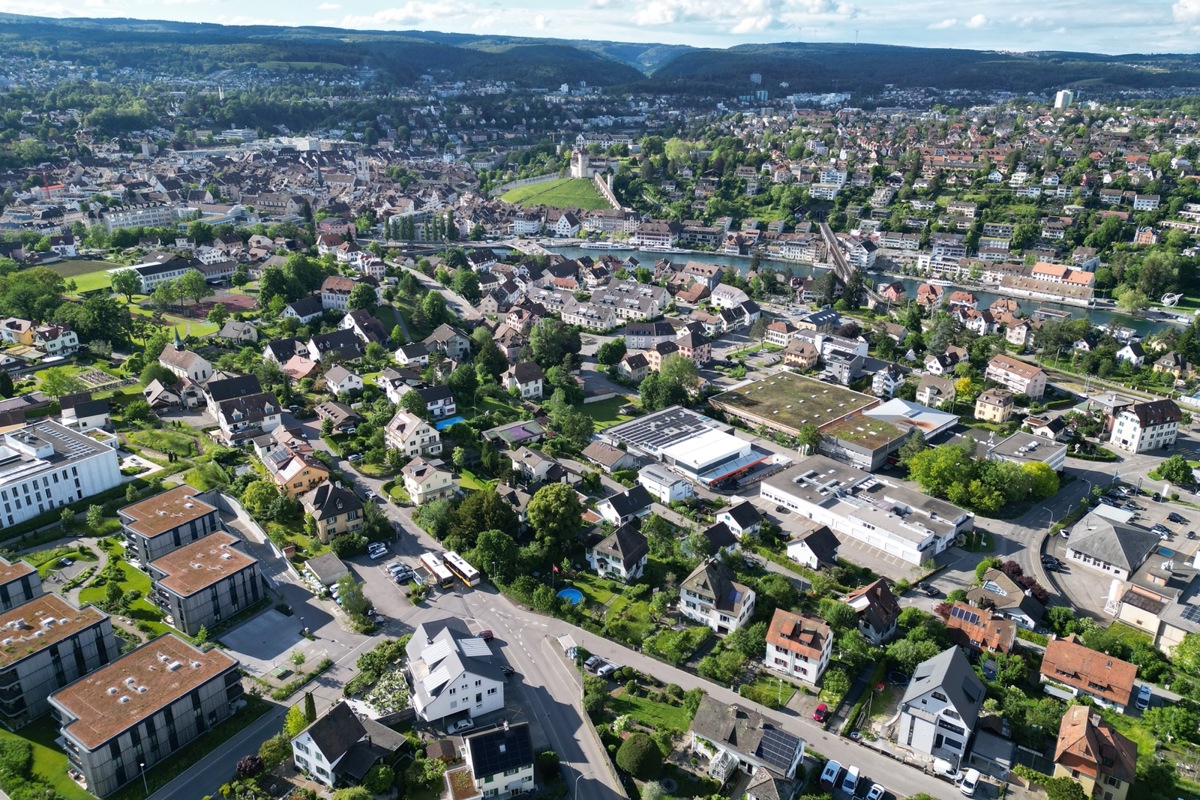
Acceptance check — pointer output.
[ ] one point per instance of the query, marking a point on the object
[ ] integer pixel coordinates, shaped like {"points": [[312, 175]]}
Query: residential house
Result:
{"points": [[664, 485], [1110, 547], [340, 415], [735, 739], [1132, 353], [335, 292], [339, 747], [81, 413], [979, 630], [365, 326], [305, 310], [801, 354], [415, 354], [185, 364], [439, 401], [1070, 670], [334, 509], [527, 378], [205, 583], [412, 435], [240, 333], [452, 673], [534, 466], [1146, 426], [426, 481], [340, 344], [878, 610], [634, 367], [621, 555], [743, 519], [799, 646], [711, 596], [940, 707], [610, 459], [1001, 593], [625, 507], [499, 762], [815, 547], [166, 685], [994, 405], [1092, 752], [339, 381], [935, 392], [246, 417], [165, 522], [451, 341], [779, 333]]}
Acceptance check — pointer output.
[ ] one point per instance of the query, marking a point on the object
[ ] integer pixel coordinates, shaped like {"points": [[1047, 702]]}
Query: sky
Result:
{"points": [[1101, 26]]}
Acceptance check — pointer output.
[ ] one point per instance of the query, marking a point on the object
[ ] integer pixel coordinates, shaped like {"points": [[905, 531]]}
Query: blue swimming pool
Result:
{"points": [[571, 595], [442, 424]]}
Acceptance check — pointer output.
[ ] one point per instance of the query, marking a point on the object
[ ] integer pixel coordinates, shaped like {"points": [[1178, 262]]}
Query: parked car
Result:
{"points": [[1178, 519], [944, 769], [969, 783], [355, 457], [1190, 535], [461, 725], [593, 663], [850, 781], [487, 636], [829, 775], [1143, 697], [928, 590], [606, 670], [1106, 500], [1048, 559], [506, 670], [821, 713], [876, 792]]}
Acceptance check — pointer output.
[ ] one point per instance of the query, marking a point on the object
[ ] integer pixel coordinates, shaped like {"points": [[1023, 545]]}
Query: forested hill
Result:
{"points": [[196, 49], [869, 67]]}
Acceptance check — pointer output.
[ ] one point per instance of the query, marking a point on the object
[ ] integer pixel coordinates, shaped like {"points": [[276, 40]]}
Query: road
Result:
{"points": [[457, 305]]}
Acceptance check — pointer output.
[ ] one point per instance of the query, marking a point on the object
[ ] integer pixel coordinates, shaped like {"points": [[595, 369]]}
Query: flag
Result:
{"points": [[556, 567]]}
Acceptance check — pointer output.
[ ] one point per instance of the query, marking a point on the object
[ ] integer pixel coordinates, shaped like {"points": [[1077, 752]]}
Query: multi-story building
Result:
{"points": [[150, 215], [204, 583], [663, 485], [426, 481], [1017, 376], [45, 465], [246, 417], [165, 522], [1146, 426], [711, 596], [798, 645], [941, 707], [994, 405], [412, 435], [45, 643], [1092, 752], [452, 672], [1070, 670], [499, 762], [19, 583]]}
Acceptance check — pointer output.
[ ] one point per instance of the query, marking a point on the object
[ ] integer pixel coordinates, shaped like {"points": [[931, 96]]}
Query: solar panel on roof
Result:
{"points": [[970, 617], [1191, 614], [777, 748]]}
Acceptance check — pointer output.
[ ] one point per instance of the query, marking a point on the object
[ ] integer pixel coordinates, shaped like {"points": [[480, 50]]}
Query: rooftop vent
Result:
{"points": [[112, 690], [123, 699]]}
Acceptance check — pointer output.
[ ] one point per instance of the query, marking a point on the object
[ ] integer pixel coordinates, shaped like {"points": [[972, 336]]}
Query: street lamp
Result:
{"points": [[1051, 510], [145, 783], [577, 778]]}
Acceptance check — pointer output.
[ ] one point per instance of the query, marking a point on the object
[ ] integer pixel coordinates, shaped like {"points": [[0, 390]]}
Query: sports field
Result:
{"points": [[88, 275], [562, 193], [787, 401]]}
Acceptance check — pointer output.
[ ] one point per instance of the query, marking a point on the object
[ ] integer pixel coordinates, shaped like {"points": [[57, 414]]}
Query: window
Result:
{"points": [[492, 690]]}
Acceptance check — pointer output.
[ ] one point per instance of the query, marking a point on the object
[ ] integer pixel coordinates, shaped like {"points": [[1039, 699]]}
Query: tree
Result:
{"points": [[275, 751], [466, 284], [412, 402], [128, 283], [1065, 788], [556, 515], [481, 511], [6, 384], [249, 766], [274, 283], [490, 361], [379, 779], [1131, 301], [677, 370], [433, 307], [362, 297], [258, 496], [640, 757], [95, 516], [758, 331], [496, 554], [838, 615], [294, 722], [194, 285], [350, 593], [1043, 480], [310, 707], [1176, 470], [1186, 654], [356, 792], [836, 683], [611, 352], [1173, 722], [550, 340], [809, 437], [218, 314], [57, 382]]}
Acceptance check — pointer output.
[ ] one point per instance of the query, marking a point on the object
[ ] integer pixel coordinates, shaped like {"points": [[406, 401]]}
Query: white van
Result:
{"points": [[969, 782], [850, 782], [830, 775]]}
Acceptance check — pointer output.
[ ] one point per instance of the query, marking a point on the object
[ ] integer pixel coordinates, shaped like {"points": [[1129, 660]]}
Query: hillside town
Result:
{"points": [[778, 450]]}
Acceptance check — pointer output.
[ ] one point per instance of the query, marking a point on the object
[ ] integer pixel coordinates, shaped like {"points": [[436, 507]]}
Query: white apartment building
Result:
{"points": [[799, 646], [1146, 426], [45, 465]]}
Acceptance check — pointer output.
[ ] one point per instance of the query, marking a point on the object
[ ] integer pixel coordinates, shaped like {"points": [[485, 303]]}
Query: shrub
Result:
{"points": [[379, 779], [249, 766], [547, 764], [640, 757]]}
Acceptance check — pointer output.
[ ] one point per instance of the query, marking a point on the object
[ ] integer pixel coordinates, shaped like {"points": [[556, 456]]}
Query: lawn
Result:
{"points": [[497, 406], [595, 589], [659, 716], [628, 621], [605, 413], [768, 687], [189, 327], [206, 476], [140, 610], [92, 281], [469, 480], [165, 441], [49, 762], [46, 561], [562, 193]]}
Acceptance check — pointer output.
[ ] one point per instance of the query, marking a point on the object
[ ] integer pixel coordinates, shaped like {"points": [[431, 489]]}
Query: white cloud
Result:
{"points": [[540, 22], [1186, 11], [949, 22], [328, 7], [977, 21], [411, 13]]}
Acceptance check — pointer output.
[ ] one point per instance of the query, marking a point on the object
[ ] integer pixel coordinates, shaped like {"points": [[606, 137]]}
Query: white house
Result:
{"points": [[799, 646], [499, 761], [452, 672], [339, 747], [734, 738], [426, 481], [711, 596], [527, 378], [412, 435], [185, 363], [940, 707], [743, 519], [626, 506], [663, 485], [340, 380], [621, 555], [1146, 426]]}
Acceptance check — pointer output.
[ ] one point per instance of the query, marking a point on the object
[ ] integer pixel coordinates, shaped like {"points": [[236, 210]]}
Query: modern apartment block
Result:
{"points": [[130, 715], [165, 522], [45, 644], [45, 465], [205, 582], [19, 583]]}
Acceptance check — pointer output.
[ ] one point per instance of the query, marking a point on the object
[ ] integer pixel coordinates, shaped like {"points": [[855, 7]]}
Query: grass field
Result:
{"points": [[190, 327], [562, 193], [165, 441], [605, 413], [140, 609], [659, 716], [49, 762]]}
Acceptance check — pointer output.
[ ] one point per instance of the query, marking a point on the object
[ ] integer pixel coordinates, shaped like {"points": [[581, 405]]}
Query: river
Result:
{"points": [[1099, 317]]}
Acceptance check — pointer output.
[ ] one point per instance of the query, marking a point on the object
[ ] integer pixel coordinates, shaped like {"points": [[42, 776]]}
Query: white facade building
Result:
{"points": [[45, 465]]}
